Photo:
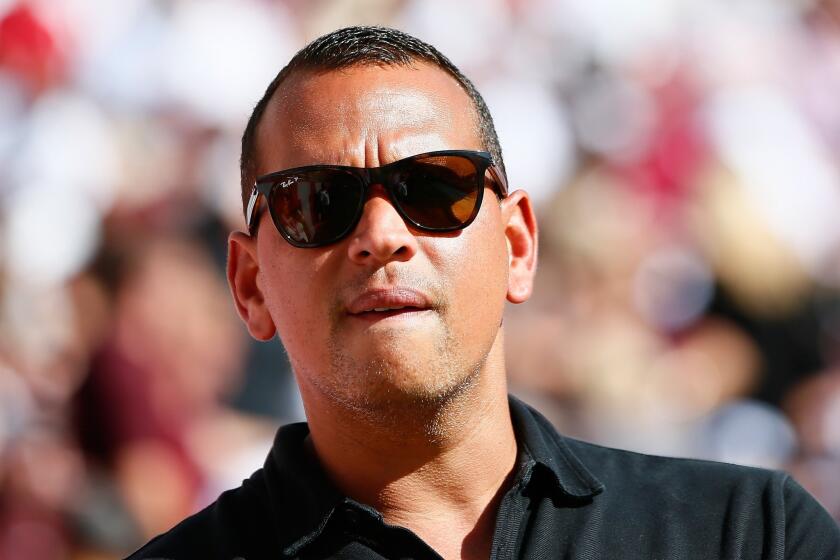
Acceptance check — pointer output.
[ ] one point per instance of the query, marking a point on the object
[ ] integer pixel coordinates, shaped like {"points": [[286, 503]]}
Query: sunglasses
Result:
{"points": [[316, 205]]}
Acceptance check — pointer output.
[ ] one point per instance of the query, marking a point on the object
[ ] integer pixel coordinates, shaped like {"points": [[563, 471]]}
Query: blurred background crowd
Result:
{"points": [[684, 156]]}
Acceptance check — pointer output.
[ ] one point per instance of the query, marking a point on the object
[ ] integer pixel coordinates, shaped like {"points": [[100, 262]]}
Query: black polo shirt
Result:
{"points": [[569, 499]]}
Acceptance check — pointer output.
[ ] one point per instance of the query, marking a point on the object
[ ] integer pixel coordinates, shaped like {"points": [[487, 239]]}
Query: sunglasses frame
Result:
{"points": [[368, 176]]}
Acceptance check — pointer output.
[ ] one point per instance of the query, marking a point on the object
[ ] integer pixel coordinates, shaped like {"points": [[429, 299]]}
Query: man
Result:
{"points": [[382, 244]]}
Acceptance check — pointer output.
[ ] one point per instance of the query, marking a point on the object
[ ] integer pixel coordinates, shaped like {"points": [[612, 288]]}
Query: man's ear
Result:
{"points": [[521, 233], [242, 270]]}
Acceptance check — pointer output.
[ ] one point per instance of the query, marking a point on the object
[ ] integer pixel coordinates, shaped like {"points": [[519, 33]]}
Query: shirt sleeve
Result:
{"points": [[810, 532]]}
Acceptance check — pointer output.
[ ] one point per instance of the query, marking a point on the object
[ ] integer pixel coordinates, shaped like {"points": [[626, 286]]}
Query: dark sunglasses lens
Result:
{"points": [[317, 207], [438, 192]]}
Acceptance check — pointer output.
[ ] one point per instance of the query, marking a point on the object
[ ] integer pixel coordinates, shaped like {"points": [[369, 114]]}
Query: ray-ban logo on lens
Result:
{"points": [[288, 183]]}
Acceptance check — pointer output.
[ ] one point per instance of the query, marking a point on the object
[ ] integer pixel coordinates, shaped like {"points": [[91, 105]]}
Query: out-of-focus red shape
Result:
{"points": [[28, 50], [678, 147]]}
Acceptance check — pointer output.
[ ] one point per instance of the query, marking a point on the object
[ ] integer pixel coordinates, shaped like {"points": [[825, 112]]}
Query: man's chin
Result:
{"points": [[397, 368], [407, 401], [416, 378]]}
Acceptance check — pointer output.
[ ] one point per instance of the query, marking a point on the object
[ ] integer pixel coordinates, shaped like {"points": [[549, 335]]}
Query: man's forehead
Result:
{"points": [[341, 113]]}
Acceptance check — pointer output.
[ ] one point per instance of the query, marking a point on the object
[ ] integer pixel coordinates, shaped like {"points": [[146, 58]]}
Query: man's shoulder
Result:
{"points": [[623, 466], [674, 483], [755, 503], [234, 526], [183, 540]]}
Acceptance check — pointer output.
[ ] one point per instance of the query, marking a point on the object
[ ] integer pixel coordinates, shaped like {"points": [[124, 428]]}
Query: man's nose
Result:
{"points": [[381, 235]]}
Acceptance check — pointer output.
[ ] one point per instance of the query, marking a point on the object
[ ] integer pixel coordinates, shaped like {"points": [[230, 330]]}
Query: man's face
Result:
{"points": [[369, 116]]}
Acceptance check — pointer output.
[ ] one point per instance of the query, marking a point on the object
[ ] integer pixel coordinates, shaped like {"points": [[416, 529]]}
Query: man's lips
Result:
{"points": [[388, 301]]}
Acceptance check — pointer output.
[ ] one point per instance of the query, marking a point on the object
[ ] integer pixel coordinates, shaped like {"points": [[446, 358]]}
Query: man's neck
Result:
{"points": [[444, 484]]}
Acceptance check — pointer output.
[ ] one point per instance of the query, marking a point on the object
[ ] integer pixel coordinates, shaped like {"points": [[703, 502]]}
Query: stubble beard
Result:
{"points": [[404, 389]]}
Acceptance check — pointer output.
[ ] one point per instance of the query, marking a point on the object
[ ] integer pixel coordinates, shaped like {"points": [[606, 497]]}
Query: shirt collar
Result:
{"points": [[545, 449], [303, 499]]}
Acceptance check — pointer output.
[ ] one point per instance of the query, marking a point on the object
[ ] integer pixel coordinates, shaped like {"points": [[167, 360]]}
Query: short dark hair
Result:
{"points": [[363, 45]]}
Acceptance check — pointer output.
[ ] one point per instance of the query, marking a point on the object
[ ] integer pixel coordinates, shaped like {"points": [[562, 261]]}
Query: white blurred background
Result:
{"points": [[685, 159]]}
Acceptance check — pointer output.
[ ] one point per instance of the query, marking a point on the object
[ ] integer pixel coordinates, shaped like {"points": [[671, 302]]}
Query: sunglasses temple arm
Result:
{"points": [[251, 211], [500, 180]]}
